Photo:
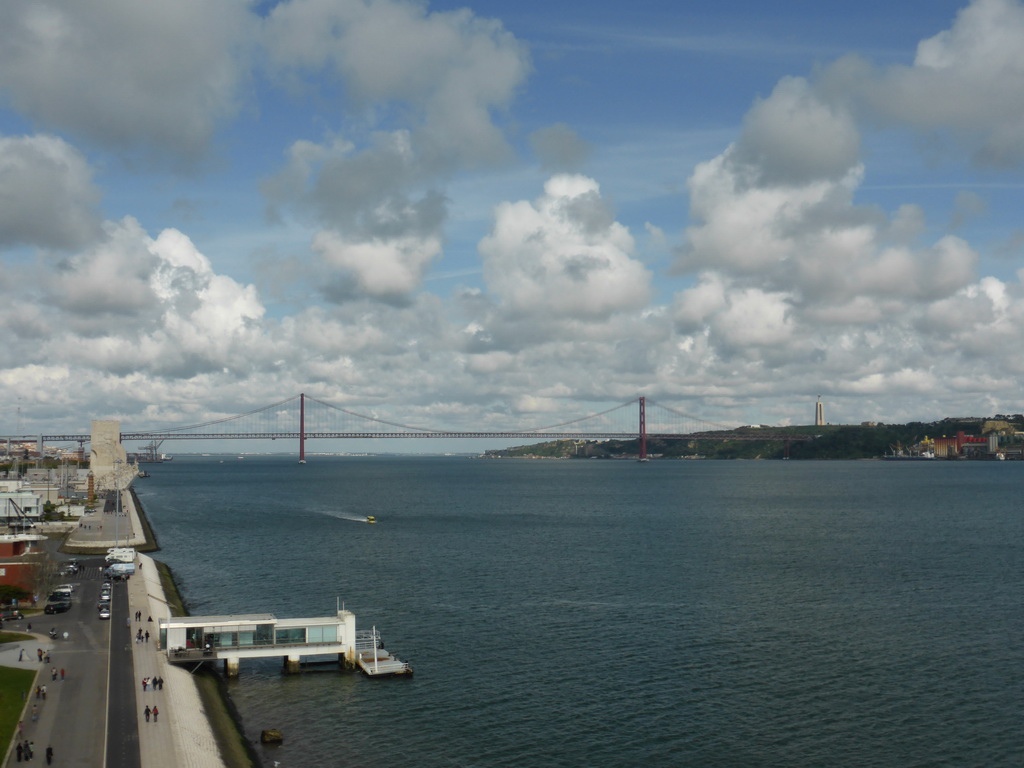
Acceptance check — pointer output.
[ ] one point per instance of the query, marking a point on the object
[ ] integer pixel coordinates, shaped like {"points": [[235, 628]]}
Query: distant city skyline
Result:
{"points": [[472, 215]]}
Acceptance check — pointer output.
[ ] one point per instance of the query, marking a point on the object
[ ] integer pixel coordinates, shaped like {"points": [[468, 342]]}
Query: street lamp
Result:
{"points": [[117, 490]]}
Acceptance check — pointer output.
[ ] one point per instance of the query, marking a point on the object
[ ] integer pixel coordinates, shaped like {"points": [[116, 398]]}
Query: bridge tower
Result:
{"points": [[302, 428], [643, 429]]}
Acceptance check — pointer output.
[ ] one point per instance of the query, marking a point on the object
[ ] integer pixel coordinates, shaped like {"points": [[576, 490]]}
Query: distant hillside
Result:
{"points": [[830, 442]]}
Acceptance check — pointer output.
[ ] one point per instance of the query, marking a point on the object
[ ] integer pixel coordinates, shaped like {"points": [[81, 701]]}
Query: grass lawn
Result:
{"points": [[15, 685]]}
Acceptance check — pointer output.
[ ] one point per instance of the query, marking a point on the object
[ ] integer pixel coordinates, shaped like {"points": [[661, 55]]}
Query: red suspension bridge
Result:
{"points": [[303, 418]]}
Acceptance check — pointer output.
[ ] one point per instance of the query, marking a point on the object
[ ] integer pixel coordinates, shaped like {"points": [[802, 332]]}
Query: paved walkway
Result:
{"points": [[182, 736]]}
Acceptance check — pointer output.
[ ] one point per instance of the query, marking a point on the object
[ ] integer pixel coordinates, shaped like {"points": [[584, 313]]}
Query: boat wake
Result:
{"points": [[352, 518]]}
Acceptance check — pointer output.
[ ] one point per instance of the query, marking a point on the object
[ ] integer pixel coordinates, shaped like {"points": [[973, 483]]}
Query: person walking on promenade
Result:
{"points": [[53, 673], [49, 755], [145, 682], [147, 635], [147, 711], [39, 653], [62, 674], [35, 712], [20, 751], [44, 692], [21, 654], [156, 713]]}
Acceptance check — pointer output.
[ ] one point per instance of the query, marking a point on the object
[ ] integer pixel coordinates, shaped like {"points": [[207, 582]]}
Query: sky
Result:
{"points": [[499, 215]]}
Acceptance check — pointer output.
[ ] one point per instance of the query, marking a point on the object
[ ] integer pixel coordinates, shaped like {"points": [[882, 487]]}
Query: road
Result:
{"points": [[88, 717]]}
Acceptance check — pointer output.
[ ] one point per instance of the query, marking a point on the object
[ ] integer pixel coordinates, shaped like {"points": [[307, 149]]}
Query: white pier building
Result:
{"points": [[198, 639]]}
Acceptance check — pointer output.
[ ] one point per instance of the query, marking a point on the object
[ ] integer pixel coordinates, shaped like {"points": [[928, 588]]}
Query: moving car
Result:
{"points": [[11, 615]]}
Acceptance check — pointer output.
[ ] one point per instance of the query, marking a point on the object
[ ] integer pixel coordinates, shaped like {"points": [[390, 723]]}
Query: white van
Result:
{"points": [[121, 555]]}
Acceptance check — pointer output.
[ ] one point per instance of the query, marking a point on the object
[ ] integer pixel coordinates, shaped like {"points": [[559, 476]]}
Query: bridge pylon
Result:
{"points": [[302, 428], [643, 429]]}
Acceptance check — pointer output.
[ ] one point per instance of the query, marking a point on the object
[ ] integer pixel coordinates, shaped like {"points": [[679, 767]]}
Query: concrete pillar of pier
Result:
{"points": [[291, 665], [345, 662], [231, 667]]}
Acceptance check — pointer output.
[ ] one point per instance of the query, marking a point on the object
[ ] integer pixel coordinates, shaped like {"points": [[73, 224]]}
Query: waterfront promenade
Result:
{"points": [[182, 737], [77, 713]]}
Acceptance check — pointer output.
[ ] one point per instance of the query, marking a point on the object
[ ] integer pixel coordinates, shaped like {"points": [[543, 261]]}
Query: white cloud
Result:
{"points": [[454, 69], [384, 269], [563, 255], [48, 196], [126, 75], [966, 83]]}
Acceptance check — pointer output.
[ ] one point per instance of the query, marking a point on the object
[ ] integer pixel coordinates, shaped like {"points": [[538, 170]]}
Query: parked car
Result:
{"points": [[57, 608], [11, 615], [59, 597], [104, 613]]}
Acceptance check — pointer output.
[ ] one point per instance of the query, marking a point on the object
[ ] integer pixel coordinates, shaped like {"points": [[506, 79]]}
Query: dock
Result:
{"points": [[374, 660]]}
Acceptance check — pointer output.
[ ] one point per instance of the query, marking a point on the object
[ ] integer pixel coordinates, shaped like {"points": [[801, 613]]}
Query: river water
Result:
{"points": [[610, 613]]}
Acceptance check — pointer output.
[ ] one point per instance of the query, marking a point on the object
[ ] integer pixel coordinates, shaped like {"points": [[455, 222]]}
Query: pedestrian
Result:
{"points": [[62, 674], [147, 635], [150, 619], [31, 749], [49, 755], [35, 712], [44, 692], [30, 626], [53, 674], [46, 656], [21, 654], [39, 653], [20, 750], [145, 682], [161, 683], [21, 728], [147, 711], [156, 713], [39, 691]]}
